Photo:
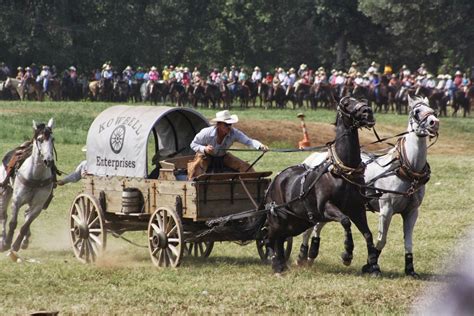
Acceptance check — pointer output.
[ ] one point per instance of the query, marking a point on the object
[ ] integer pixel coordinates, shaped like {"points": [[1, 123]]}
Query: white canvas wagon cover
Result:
{"points": [[117, 139]]}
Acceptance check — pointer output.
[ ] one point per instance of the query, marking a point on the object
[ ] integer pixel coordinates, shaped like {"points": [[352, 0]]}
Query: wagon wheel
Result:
{"points": [[198, 249], [265, 254], [165, 238], [87, 228]]}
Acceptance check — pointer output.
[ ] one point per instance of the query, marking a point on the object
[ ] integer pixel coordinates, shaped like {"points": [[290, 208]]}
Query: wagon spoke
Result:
{"points": [[173, 240], [165, 220], [155, 228], [76, 242], [155, 251], [83, 209], [171, 256], [160, 258], [93, 222], [159, 220], [77, 220], [81, 249], [95, 239], [93, 250], [95, 230], [79, 211], [172, 231], [91, 211], [167, 256], [174, 250]]}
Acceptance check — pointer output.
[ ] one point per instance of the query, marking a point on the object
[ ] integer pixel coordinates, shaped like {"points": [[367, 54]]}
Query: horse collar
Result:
{"points": [[406, 169], [338, 167]]}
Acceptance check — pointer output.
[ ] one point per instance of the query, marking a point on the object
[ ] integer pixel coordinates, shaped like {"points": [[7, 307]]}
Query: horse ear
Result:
{"points": [[35, 126], [345, 101], [51, 123]]}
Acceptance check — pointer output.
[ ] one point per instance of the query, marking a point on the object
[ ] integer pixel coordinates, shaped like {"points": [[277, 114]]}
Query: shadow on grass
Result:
{"points": [[221, 260]]}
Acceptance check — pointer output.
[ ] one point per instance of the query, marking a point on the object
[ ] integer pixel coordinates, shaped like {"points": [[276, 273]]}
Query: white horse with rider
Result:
{"points": [[32, 184]]}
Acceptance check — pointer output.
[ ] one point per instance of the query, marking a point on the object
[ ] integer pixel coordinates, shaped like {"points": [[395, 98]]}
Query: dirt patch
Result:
{"points": [[288, 133]]}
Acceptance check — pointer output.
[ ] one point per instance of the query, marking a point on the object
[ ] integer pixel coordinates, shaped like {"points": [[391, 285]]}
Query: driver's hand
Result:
{"points": [[209, 149], [60, 182], [263, 148]]}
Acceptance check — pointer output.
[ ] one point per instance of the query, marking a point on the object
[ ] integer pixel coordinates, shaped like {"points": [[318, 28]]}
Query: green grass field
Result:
{"points": [[232, 279]]}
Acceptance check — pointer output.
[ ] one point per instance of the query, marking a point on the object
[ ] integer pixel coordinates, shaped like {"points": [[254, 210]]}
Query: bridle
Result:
{"points": [[41, 135], [421, 120], [350, 116]]}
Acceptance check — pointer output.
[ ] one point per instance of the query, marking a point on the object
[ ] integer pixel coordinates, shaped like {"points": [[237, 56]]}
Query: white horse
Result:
{"points": [[399, 178], [33, 185]]}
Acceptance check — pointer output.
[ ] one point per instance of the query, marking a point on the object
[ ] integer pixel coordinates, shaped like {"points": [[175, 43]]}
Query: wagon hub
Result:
{"points": [[159, 240], [81, 231]]}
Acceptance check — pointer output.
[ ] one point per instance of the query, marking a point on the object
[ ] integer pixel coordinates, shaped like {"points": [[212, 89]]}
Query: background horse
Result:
{"points": [[33, 185], [400, 176], [298, 197]]}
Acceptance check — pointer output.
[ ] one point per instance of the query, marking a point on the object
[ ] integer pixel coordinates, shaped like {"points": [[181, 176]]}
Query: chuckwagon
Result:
{"points": [[137, 180]]}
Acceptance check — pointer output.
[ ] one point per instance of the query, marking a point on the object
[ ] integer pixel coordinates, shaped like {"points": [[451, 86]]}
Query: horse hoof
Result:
{"points": [[301, 262], [13, 256], [413, 274], [346, 259], [24, 244], [311, 261], [373, 270]]}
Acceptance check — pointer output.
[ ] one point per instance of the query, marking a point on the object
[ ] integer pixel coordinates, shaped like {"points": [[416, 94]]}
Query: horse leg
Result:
{"points": [[372, 266], [314, 248], [32, 215], [303, 255], [333, 213], [13, 223], [278, 260], [409, 220], [5, 196]]}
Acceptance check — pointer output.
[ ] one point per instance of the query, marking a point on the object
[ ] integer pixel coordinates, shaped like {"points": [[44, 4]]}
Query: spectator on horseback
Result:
{"points": [[430, 81], [353, 70], [186, 77], [211, 145], [44, 78], [213, 76], [387, 70], [441, 83], [290, 80], [256, 75], [449, 87], [4, 71], [172, 76], [127, 75], [73, 73], [139, 74], [243, 76], [224, 75], [404, 73], [178, 75], [20, 73], [107, 72], [195, 72], [233, 80], [373, 68], [458, 79], [301, 71], [165, 73], [34, 70], [394, 81], [153, 76], [422, 70], [375, 84], [268, 78]]}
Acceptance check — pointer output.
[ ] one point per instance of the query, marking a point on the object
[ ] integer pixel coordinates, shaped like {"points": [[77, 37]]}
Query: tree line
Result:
{"points": [[210, 33]]}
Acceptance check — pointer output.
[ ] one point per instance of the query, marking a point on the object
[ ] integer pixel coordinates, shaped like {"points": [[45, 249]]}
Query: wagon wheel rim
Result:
{"points": [[87, 229], [198, 249], [165, 238], [266, 255]]}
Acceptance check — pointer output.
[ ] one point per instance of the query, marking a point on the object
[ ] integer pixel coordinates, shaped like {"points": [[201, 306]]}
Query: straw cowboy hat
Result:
{"points": [[225, 117]]}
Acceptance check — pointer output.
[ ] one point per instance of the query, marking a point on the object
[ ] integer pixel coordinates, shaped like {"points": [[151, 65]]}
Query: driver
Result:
{"points": [[211, 143]]}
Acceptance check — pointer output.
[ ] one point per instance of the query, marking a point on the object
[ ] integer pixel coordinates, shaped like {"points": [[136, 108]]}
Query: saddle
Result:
{"points": [[14, 159]]}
